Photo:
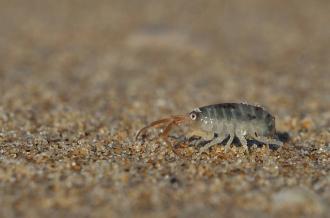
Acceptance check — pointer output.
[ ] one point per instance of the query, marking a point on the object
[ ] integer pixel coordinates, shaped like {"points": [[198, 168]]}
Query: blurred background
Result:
{"points": [[177, 54], [77, 76]]}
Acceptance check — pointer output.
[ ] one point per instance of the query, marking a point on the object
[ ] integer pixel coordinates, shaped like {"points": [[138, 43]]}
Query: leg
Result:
{"points": [[241, 136], [268, 141], [200, 142], [164, 137], [215, 141], [231, 139], [243, 141], [205, 136]]}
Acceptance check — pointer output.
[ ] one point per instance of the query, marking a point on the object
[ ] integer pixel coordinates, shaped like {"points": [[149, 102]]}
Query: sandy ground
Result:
{"points": [[78, 79]]}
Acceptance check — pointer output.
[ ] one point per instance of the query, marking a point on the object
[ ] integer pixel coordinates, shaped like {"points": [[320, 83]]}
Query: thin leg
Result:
{"points": [[215, 141], [164, 137], [243, 141], [230, 141], [205, 136], [268, 141], [196, 141], [165, 133]]}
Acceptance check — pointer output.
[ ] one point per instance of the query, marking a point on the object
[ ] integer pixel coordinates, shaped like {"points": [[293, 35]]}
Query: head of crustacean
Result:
{"points": [[200, 121], [195, 121]]}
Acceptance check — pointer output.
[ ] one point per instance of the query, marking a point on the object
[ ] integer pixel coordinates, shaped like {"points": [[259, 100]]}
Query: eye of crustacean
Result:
{"points": [[193, 116]]}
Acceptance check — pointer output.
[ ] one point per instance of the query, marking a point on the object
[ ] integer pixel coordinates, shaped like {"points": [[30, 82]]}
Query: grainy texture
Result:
{"points": [[79, 78]]}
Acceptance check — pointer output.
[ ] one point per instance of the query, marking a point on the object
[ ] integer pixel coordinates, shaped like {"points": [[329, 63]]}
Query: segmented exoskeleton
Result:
{"points": [[215, 123]]}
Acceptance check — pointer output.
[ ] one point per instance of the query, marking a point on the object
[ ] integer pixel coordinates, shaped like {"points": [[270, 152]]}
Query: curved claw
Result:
{"points": [[171, 120], [155, 123]]}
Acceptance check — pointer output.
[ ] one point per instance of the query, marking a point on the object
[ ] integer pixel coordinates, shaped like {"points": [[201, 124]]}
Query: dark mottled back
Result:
{"points": [[238, 112]]}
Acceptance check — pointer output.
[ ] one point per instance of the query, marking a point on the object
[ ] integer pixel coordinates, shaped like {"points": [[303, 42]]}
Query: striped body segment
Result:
{"points": [[238, 114], [231, 120]]}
